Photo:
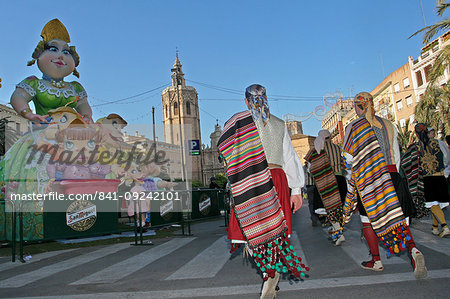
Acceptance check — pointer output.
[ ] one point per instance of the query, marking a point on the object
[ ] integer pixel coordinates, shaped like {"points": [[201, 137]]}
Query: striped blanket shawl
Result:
{"points": [[326, 183], [256, 204], [371, 178], [410, 164]]}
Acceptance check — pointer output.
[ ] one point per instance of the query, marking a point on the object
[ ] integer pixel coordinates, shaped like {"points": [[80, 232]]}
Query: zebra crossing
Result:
{"points": [[243, 291], [441, 245], [355, 248], [135, 263], [29, 277], [5, 266], [206, 264]]}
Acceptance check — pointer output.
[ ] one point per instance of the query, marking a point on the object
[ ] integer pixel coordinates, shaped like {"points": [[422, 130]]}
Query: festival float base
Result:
{"points": [[80, 219], [42, 226], [204, 203]]}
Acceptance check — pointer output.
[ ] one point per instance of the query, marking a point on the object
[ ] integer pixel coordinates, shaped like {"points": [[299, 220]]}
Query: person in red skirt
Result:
{"points": [[286, 170]]}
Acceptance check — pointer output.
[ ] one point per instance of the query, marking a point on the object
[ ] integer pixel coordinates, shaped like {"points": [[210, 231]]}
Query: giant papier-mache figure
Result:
{"points": [[56, 60], [261, 166], [60, 106]]}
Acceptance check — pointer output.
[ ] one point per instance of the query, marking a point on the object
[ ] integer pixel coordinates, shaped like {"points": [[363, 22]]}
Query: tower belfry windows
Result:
{"points": [[188, 108], [175, 108]]}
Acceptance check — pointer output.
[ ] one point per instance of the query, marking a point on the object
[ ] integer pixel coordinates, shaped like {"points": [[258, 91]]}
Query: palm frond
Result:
{"points": [[441, 63], [404, 135], [441, 7], [433, 109], [445, 99], [432, 30]]}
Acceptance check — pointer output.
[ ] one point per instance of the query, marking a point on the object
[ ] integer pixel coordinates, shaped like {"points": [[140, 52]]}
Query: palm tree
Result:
{"points": [[434, 109], [442, 61], [445, 106]]}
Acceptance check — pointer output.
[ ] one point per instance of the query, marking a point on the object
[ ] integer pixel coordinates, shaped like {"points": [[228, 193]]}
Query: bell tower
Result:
{"points": [[182, 120]]}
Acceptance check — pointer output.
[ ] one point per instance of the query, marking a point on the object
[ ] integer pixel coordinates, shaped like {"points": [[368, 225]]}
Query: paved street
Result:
{"points": [[201, 266]]}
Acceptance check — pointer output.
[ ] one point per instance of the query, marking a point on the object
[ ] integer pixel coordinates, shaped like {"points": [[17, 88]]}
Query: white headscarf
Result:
{"points": [[319, 142]]}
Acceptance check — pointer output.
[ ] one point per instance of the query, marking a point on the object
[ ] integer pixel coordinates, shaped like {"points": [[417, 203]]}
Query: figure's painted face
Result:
{"points": [[112, 132], [59, 121], [56, 61], [135, 172], [114, 127], [63, 120]]}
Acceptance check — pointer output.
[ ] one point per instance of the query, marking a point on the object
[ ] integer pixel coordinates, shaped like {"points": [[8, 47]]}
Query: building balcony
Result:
{"points": [[425, 55]]}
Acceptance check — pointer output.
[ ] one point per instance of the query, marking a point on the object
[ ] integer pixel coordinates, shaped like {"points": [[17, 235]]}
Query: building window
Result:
{"points": [[419, 78], [427, 71], [167, 114], [406, 82], [409, 100], [399, 105], [396, 87], [175, 108], [402, 123], [188, 108], [411, 119]]}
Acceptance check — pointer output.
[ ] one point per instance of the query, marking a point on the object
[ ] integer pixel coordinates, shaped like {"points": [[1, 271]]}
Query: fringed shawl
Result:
{"points": [[256, 204], [410, 164], [371, 178], [326, 183]]}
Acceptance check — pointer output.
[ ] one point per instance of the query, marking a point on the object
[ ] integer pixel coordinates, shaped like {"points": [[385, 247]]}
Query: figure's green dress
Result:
{"points": [[23, 174]]}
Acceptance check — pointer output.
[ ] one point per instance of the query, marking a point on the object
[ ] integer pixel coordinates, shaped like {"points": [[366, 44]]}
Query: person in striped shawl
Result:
{"points": [[261, 166], [326, 165], [372, 190]]}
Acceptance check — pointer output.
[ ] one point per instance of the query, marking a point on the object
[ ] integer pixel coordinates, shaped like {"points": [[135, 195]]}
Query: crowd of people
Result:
{"points": [[368, 175]]}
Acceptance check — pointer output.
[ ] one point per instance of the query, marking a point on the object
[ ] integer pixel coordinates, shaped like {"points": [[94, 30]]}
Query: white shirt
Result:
{"points": [[292, 165]]}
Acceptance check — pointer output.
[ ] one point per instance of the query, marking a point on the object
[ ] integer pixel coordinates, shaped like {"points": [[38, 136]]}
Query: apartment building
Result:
{"points": [[421, 67], [394, 97], [333, 120]]}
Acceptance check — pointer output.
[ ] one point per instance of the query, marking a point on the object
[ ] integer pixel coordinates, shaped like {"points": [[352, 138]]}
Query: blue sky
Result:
{"points": [[293, 48]]}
